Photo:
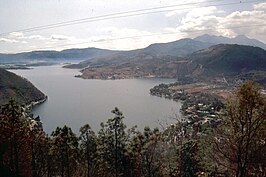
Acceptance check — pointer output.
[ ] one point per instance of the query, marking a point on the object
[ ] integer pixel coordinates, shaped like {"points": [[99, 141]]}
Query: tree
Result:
{"points": [[40, 147], [15, 140], [188, 160], [88, 148], [116, 128], [151, 152], [173, 140], [112, 146], [65, 150], [240, 140]]}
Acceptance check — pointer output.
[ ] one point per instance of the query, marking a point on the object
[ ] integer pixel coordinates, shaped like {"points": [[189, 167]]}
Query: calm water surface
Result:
{"points": [[75, 102]]}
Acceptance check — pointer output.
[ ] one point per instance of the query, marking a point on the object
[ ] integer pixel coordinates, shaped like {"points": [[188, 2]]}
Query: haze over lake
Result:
{"points": [[75, 102]]}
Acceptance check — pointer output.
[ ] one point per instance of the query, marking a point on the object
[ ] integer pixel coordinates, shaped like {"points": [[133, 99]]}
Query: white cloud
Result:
{"points": [[180, 7], [128, 38], [181, 21], [175, 13], [203, 11], [61, 37], [8, 40], [16, 35], [260, 6], [249, 23], [37, 37]]}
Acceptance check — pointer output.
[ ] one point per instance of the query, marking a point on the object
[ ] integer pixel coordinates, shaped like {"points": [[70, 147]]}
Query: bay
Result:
{"points": [[75, 101]]}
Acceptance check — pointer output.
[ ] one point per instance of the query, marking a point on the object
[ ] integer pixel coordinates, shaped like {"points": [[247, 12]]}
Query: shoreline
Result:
{"points": [[36, 103]]}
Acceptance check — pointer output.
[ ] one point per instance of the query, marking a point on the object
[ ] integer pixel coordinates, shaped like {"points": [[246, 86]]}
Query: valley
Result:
{"points": [[133, 88], [202, 60]]}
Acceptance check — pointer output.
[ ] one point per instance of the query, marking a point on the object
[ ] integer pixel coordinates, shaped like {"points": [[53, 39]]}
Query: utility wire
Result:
{"points": [[125, 14], [147, 35]]}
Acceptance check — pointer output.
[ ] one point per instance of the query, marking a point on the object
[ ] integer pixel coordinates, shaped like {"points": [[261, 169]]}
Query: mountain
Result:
{"points": [[55, 56], [179, 48], [138, 66], [241, 40], [230, 59], [13, 86], [223, 60]]}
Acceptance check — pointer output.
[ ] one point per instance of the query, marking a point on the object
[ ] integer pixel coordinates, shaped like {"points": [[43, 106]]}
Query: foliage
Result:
{"points": [[239, 141], [233, 146]]}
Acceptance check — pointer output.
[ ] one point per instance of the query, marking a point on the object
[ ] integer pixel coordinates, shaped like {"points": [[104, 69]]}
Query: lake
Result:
{"points": [[75, 101]]}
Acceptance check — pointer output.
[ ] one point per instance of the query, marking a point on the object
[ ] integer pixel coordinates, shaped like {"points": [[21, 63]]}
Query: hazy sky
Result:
{"points": [[180, 19]]}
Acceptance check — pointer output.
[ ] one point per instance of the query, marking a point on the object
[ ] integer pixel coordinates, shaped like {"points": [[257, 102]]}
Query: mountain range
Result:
{"points": [[204, 57], [54, 56], [201, 58], [222, 60], [179, 48], [185, 58]]}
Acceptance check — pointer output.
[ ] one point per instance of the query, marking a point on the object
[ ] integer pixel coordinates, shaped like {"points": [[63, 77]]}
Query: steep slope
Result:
{"points": [[13, 86], [228, 59], [241, 40]]}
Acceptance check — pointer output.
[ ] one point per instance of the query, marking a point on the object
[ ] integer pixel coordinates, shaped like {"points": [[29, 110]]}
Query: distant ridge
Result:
{"points": [[240, 39], [55, 56], [178, 49]]}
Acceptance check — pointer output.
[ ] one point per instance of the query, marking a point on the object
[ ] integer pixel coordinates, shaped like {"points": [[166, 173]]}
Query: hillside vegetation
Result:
{"points": [[13, 86], [230, 59], [231, 144]]}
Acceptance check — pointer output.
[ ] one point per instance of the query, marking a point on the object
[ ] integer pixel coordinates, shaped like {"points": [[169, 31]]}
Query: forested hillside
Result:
{"points": [[13, 86]]}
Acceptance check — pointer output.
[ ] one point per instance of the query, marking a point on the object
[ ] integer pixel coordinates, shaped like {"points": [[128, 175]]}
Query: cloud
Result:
{"points": [[61, 37], [8, 40], [260, 6], [175, 13], [37, 37], [129, 38], [182, 7], [16, 35], [203, 11], [249, 23], [190, 21]]}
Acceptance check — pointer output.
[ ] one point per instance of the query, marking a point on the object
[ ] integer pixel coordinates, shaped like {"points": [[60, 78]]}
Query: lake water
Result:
{"points": [[75, 102]]}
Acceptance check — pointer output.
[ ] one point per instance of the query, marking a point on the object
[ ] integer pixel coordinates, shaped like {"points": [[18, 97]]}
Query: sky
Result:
{"points": [[28, 25]]}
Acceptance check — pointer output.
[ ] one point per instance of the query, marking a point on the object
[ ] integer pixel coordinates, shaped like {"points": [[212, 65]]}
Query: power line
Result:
{"points": [[124, 14], [96, 17], [112, 14], [147, 35]]}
